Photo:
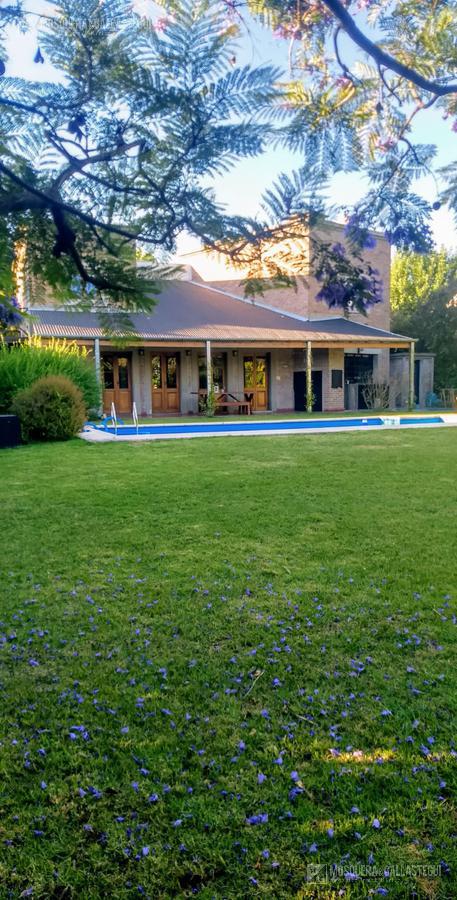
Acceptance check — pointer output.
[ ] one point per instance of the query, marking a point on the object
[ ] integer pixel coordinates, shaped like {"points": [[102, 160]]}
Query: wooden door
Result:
{"points": [[256, 380], [117, 383], [165, 382]]}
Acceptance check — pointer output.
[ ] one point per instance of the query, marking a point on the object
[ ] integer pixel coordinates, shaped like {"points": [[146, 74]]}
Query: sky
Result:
{"points": [[241, 189]]}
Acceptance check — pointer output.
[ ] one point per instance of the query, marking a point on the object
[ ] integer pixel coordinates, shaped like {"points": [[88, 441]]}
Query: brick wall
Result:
{"points": [[212, 269], [379, 258]]}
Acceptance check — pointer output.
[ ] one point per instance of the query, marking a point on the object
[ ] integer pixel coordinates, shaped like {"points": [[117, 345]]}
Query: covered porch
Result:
{"points": [[166, 380], [201, 342]]}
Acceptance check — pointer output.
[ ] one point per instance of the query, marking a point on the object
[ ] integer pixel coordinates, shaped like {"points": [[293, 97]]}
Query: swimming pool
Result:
{"points": [[285, 426]]}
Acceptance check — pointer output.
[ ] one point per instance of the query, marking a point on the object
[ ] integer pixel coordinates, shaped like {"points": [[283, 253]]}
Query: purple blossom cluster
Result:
{"points": [[345, 283], [10, 317]]}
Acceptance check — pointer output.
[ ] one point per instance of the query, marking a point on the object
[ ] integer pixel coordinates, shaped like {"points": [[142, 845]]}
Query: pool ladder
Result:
{"points": [[114, 417], [135, 416]]}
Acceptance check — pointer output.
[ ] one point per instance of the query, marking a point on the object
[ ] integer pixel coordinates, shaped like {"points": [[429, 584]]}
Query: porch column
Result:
{"points": [[98, 370], [209, 369], [411, 375], [309, 380]]}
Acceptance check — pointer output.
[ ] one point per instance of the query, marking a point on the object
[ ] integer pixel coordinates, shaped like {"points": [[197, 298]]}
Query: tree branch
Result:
{"points": [[66, 243], [380, 55], [49, 202], [77, 165]]}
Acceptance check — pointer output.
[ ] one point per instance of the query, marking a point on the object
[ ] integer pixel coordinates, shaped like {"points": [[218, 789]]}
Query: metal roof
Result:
{"points": [[185, 311]]}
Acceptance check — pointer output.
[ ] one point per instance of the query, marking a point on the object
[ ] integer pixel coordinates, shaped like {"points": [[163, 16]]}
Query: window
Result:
{"points": [[248, 371], [337, 378], [172, 372], [123, 372], [108, 374], [218, 365], [357, 367], [261, 372], [156, 373]]}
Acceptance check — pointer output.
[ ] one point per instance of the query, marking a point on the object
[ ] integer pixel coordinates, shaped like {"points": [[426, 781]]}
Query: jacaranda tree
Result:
{"points": [[115, 154], [361, 73]]}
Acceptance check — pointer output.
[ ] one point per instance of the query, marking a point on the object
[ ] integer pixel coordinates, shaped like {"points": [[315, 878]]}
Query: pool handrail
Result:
{"points": [[135, 416], [114, 417]]}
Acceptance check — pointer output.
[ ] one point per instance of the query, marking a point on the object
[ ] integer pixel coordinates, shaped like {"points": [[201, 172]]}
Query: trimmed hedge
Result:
{"points": [[23, 364], [52, 409]]}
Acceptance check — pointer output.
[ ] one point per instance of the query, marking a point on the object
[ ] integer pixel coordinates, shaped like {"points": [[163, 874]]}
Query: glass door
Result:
{"points": [[116, 383], [165, 382], [256, 381]]}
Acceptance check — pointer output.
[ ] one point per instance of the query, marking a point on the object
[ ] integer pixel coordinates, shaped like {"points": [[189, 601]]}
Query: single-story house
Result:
{"points": [[277, 353]]}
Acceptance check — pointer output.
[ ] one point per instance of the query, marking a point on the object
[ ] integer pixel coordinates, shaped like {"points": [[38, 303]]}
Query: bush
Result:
{"points": [[376, 394], [52, 409], [23, 364]]}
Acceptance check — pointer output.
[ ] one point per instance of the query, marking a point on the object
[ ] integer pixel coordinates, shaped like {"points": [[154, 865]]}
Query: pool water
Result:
{"points": [[265, 427]]}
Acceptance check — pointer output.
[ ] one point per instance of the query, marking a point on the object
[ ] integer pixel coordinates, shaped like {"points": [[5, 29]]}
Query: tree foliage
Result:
{"points": [[362, 71], [117, 151], [414, 277], [424, 299]]}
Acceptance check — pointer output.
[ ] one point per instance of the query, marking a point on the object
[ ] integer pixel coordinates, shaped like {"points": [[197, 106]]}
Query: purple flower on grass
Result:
{"points": [[260, 819]]}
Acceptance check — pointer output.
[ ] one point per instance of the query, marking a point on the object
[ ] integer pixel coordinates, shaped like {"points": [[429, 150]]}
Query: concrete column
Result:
{"points": [[411, 375], [309, 380], [209, 369], [98, 371]]}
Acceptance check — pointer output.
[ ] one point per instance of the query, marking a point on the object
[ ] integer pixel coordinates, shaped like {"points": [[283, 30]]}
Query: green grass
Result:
{"points": [[152, 594]]}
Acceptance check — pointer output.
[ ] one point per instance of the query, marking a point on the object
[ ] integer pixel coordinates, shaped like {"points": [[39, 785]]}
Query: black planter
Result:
{"points": [[10, 431]]}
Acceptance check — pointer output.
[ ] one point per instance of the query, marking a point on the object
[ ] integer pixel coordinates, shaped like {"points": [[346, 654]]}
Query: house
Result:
{"points": [[277, 352]]}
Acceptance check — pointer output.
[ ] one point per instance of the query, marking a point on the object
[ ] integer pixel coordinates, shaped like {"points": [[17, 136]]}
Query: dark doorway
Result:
{"points": [[300, 391], [358, 369]]}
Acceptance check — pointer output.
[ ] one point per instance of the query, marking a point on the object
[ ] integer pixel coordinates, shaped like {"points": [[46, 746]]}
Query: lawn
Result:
{"points": [[226, 661]]}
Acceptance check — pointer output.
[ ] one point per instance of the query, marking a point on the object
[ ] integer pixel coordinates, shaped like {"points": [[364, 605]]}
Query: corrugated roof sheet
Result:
{"points": [[189, 312]]}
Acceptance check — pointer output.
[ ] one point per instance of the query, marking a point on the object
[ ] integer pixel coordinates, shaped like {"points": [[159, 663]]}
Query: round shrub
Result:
{"points": [[23, 363], [52, 409]]}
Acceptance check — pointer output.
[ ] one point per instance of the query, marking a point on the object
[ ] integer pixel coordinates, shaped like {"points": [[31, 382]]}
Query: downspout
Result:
{"points": [[209, 369], [411, 403], [98, 371]]}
